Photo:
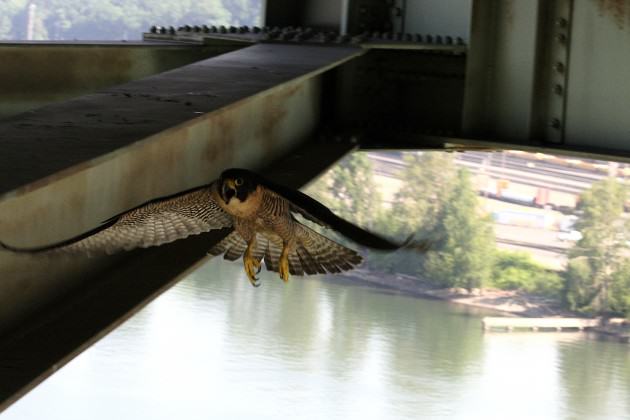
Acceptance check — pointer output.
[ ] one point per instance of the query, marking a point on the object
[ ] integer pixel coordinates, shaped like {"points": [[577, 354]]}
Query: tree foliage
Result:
{"points": [[349, 190], [427, 181], [438, 202], [518, 271], [598, 268], [118, 19], [464, 254]]}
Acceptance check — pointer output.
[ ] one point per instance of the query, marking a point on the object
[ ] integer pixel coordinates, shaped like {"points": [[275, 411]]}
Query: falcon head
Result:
{"points": [[239, 183]]}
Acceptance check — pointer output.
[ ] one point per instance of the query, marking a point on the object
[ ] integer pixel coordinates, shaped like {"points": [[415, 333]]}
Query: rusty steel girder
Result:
{"points": [[66, 167]]}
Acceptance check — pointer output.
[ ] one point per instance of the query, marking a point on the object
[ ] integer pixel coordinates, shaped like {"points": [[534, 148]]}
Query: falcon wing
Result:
{"points": [[316, 212], [154, 223], [312, 254]]}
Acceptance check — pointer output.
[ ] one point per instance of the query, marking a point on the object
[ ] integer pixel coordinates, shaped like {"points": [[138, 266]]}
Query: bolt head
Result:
{"points": [[562, 22], [555, 123]]}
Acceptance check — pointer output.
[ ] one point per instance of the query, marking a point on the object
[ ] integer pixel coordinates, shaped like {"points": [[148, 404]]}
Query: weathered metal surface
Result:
{"points": [[308, 36], [438, 16], [500, 71], [67, 167], [552, 71], [55, 336], [389, 97], [598, 97], [95, 125], [370, 15], [344, 16], [80, 68]]}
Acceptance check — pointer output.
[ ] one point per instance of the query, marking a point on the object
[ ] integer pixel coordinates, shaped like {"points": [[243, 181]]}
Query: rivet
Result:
{"points": [[559, 67], [562, 38], [562, 22], [555, 123], [557, 89]]}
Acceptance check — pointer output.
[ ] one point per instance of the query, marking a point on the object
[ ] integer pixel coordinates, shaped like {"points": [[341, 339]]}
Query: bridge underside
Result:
{"points": [[110, 126]]}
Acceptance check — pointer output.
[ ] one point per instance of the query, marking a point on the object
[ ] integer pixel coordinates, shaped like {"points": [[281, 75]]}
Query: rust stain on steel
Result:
{"points": [[507, 12], [617, 10], [222, 132], [274, 113], [64, 67]]}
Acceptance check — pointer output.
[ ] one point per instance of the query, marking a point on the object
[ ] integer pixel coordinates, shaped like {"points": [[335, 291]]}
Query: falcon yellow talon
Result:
{"points": [[284, 269], [252, 267]]}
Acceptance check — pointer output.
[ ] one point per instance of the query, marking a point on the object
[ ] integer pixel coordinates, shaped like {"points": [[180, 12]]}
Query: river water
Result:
{"points": [[213, 347]]}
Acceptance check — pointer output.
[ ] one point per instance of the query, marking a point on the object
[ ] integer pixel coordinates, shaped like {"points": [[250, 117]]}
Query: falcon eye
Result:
{"points": [[238, 182]]}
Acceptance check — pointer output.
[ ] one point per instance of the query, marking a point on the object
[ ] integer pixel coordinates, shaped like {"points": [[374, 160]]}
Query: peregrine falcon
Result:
{"points": [[259, 214]]}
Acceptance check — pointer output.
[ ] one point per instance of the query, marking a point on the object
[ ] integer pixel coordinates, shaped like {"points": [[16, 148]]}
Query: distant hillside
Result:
{"points": [[115, 19]]}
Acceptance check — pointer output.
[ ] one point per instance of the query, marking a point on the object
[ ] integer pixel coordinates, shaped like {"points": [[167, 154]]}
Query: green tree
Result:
{"points": [[118, 19], [518, 271], [428, 178], [598, 262], [463, 257], [349, 190]]}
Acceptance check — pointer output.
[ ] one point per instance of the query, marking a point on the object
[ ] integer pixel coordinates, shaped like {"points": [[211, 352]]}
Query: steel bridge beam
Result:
{"points": [[543, 75], [79, 68], [67, 167]]}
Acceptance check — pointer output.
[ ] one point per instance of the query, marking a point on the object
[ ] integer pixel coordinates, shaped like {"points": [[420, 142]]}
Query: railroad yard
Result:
{"points": [[531, 196]]}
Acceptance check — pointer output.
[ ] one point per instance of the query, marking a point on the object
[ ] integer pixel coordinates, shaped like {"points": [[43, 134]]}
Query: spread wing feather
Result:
{"points": [[312, 254], [314, 211], [154, 223]]}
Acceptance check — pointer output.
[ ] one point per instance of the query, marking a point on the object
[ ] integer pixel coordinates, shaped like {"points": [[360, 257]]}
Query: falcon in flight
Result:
{"points": [[260, 216]]}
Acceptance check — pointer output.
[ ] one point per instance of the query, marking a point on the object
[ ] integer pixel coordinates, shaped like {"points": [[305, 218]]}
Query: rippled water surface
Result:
{"points": [[213, 347]]}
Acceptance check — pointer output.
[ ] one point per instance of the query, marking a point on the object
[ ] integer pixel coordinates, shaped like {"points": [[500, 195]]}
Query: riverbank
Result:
{"points": [[506, 302]]}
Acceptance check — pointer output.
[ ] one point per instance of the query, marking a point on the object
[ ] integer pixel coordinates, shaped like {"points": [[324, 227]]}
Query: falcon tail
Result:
{"points": [[316, 254]]}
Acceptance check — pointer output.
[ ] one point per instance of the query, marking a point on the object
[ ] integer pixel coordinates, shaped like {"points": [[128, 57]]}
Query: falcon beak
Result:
{"points": [[228, 190]]}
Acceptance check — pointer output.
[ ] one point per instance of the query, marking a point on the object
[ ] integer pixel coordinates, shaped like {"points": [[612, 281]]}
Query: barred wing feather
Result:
{"points": [[151, 224]]}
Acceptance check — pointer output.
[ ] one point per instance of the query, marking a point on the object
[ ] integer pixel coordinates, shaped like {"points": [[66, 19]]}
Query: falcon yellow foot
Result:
{"points": [[252, 267], [284, 265]]}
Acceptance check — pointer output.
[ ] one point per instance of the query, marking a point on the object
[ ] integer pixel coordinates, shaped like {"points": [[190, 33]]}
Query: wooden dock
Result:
{"points": [[509, 324]]}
